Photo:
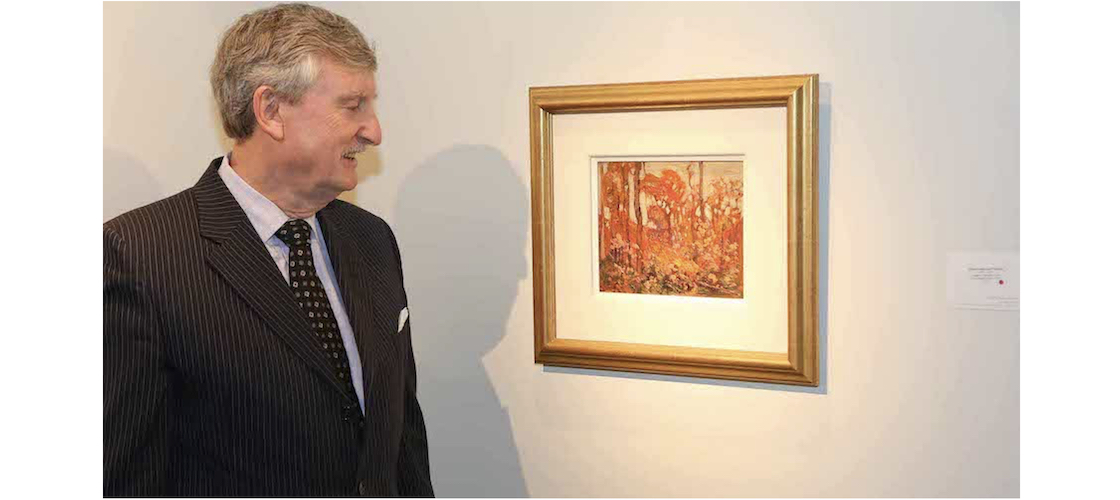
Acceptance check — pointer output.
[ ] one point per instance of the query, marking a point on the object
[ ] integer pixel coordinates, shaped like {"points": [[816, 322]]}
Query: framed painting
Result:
{"points": [[675, 225]]}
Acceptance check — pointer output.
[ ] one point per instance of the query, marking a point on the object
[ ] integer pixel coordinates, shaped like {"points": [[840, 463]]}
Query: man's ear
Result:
{"points": [[266, 108]]}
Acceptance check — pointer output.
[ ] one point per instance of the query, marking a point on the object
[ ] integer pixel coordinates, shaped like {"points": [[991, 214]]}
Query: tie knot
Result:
{"points": [[295, 232]]}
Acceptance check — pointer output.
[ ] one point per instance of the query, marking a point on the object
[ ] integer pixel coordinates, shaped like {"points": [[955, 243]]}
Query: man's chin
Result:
{"points": [[348, 179], [347, 184]]}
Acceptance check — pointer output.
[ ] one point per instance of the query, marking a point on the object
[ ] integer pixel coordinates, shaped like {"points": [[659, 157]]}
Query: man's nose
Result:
{"points": [[371, 131]]}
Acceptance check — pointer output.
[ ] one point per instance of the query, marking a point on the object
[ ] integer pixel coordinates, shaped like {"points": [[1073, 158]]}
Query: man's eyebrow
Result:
{"points": [[352, 96]]}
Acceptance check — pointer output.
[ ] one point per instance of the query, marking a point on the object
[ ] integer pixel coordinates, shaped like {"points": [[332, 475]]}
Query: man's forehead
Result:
{"points": [[345, 81], [349, 91]]}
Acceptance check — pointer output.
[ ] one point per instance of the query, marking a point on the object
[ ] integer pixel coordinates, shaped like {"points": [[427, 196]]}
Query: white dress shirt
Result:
{"points": [[267, 219]]}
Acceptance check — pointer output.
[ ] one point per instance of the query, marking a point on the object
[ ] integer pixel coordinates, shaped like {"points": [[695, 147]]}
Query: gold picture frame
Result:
{"points": [[799, 365]]}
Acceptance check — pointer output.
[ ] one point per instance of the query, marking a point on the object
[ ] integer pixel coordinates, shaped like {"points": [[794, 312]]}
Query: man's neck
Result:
{"points": [[269, 180]]}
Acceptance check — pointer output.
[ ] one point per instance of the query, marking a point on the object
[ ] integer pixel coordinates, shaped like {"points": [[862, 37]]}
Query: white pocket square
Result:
{"points": [[404, 317]]}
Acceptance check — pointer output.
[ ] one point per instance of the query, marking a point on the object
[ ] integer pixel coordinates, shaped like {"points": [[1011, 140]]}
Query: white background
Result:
{"points": [[920, 156]]}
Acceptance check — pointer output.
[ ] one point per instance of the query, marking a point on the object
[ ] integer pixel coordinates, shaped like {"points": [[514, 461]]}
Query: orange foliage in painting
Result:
{"points": [[664, 229]]}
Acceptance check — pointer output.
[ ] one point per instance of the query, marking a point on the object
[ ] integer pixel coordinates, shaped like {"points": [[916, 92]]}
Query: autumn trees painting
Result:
{"points": [[671, 227]]}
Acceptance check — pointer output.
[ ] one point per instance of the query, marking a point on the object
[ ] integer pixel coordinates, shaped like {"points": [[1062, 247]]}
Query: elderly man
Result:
{"points": [[257, 339]]}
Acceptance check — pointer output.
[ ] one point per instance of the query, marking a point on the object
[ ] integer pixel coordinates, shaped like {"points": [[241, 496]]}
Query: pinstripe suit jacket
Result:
{"points": [[213, 383]]}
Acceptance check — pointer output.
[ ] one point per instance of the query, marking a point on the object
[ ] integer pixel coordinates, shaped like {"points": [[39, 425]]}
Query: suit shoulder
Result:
{"points": [[171, 215], [361, 218]]}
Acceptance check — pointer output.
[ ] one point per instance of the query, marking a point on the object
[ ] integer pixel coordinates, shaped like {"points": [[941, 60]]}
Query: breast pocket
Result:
{"points": [[402, 320]]}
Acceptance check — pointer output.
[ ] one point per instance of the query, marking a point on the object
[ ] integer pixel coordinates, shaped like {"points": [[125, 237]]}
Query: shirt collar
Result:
{"points": [[265, 216]]}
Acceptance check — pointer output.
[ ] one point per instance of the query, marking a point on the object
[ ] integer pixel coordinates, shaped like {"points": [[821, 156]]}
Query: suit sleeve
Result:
{"points": [[134, 414], [413, 476]]}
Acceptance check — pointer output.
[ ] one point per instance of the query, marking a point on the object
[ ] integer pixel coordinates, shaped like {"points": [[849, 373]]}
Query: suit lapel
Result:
{"points": [[362, 283], [242, 260]]}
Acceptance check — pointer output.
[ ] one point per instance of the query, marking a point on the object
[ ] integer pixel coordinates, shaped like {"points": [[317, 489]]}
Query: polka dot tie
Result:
{"points": [[308, 292]]}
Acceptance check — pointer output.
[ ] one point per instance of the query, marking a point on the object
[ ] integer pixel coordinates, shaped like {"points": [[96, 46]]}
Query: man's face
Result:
{"points": [[332, 122]]}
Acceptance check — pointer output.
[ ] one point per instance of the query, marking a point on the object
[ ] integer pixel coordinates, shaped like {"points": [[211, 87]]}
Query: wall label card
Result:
{"points": [[983, 280]]}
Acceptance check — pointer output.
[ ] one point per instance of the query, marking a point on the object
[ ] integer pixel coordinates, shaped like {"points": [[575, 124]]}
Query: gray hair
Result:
{"points": [[280, 46]]}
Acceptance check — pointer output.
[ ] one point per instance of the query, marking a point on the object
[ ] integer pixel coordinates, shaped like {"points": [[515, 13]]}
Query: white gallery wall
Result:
{"points": [[919, 126]]}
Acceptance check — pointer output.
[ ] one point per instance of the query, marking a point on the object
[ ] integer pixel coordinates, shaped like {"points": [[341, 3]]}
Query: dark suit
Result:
{"points": [[214, 385]]}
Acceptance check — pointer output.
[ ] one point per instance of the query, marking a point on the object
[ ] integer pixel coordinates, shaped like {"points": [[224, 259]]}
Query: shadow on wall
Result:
{"points": [[824, 185], [126, 184], [461, 221]]}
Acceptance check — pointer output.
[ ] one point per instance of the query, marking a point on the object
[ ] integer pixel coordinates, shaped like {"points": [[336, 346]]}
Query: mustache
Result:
{"points": [[355, 150]]}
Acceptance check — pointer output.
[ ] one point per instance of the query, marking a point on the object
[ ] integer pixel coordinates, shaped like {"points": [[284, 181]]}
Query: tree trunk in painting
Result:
{"points": [[691, 211], [717, 225], [624, 177], [669, 223], [638, 212], [619, 216], [702, 218], [698, 211]]}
